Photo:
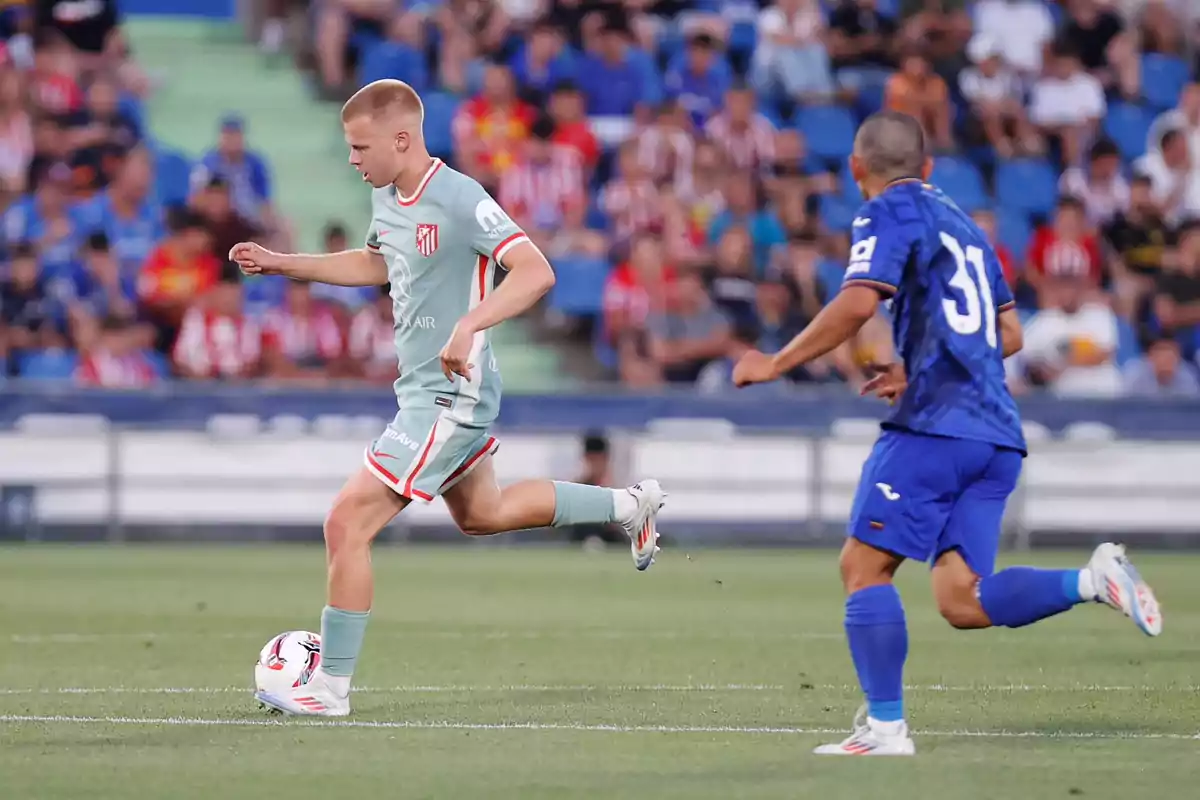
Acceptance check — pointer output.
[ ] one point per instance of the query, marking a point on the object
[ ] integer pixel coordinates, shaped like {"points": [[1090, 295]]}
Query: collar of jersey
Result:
{"points": [[408, 201]]}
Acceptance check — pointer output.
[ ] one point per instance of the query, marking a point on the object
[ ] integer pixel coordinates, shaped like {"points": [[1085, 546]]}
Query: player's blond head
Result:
{"points": [[386, 99]]}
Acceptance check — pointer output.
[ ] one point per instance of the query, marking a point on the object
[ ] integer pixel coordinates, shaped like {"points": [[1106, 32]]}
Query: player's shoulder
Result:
{"points": [[890, 213]]}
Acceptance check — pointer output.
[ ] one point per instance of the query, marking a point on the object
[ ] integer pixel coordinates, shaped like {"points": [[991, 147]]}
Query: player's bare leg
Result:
{"points": [[481, 508], [360, 511], [878, 639]]}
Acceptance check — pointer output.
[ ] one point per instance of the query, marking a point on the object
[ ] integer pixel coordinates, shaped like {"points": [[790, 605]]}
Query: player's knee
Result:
{"points": [[342, 530], [863, 566], [959, 606], [478, 524]]}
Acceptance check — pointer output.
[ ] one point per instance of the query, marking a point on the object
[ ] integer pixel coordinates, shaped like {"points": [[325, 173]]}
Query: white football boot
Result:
{"points": [[872, 738], [1118, 584], [317, 698], [640, 524]]}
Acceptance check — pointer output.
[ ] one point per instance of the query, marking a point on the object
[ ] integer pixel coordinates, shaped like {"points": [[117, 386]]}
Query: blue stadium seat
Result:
{"points": [[439, 117], [1127, 124], [1163, 78], [869, 100], [960, 179], [1026, 184], [158, 363], [828, 129], [743, 37], [1014, 231], [172, 174], [390, 60], [579, 289], [47, 365], [837, 212], [1127, 343]]}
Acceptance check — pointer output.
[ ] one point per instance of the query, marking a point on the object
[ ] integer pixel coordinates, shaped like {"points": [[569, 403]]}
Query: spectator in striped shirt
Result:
{"points": [[545, 179], [630, 201], [665, 147], [745, 136]]}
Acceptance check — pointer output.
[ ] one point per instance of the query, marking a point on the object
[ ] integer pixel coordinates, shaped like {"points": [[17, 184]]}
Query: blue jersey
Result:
{"points": [[915, 245]]}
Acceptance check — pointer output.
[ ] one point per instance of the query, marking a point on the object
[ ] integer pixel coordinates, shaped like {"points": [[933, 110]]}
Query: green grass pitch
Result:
{"points": [[518, 673]]}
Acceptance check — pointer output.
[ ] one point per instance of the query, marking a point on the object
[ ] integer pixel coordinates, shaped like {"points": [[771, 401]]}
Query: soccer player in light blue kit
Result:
{"points": [[436, 238], [949, 455]]}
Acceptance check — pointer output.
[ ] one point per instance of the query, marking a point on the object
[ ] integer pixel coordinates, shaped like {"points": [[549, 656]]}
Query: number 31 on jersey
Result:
{"points": [[970, 278]]}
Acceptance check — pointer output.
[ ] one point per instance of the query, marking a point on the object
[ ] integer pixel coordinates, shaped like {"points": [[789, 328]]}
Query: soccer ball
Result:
{"points": [[287, 661]]}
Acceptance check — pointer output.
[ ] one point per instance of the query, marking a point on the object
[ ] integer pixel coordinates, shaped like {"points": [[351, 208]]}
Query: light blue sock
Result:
{"points": [[576, 504], [341, 640], [1020, 596]]}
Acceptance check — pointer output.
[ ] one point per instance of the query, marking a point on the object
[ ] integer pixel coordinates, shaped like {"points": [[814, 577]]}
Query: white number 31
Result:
{"points": [[976, 289]]}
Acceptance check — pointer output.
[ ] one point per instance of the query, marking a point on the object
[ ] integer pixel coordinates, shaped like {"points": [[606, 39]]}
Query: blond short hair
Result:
{"points": [[384, 97]]}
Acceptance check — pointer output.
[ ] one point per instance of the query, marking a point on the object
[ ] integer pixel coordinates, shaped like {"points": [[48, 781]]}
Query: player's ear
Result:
{"points": [[403, 140], [927, 168], [856, 169]]}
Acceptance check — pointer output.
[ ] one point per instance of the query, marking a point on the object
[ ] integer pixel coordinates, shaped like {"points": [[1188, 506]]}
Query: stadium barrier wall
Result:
{"points": [[201, 465]]}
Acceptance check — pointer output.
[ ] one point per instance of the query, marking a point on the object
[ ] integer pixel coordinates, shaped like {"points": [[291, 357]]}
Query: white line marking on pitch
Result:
{"points": [[550, 726], [700, 688]]}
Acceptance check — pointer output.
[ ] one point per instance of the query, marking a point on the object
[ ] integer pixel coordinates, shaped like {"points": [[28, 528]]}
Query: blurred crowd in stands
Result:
{"points": [[680, 161]]}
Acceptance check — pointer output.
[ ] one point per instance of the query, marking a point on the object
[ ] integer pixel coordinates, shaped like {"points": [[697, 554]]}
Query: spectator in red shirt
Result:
{"points": [[217, 341], [302, 340], [178, 270], [372, 340], [490, 128], [568, 109], [114, 354], [543, 183], [633, 290], [1066, 248]]}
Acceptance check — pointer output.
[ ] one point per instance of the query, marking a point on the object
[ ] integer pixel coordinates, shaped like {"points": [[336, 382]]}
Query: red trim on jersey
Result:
{"points": [[470, 462], [437, 164], [408, 485], [379, 468], [880, 285], [373, 246], [515, 237], [483, 262]]}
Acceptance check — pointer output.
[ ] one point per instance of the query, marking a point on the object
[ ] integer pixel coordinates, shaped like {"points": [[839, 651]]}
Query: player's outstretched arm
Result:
{"points": [[348, 268], [846, 313], [1012, 338]]}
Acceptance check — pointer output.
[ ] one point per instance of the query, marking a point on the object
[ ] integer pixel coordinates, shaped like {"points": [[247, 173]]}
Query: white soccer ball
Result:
{"points": [[287, 661]]}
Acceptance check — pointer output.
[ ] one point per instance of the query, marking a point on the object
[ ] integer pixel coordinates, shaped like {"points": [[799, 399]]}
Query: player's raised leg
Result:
{"points": [[362, 508], [971, 595], [480, 507]]}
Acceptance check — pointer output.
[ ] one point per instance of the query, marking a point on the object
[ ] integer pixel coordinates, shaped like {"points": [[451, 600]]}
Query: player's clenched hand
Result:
{"points": [[456, 352], [754, 367], [888, 382], [254, 259]]}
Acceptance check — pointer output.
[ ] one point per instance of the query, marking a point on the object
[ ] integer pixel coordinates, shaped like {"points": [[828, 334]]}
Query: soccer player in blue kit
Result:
{"points": [[949, 455]]}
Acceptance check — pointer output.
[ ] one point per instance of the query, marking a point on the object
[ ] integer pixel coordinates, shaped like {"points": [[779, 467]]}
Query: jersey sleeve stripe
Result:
{"points": [[880, 285], [508, 244], [482, 272], [374, 247], [1007, 306]]}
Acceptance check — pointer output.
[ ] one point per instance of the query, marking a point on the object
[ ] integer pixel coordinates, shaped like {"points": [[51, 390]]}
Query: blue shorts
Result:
{"points": [[920, 496]]}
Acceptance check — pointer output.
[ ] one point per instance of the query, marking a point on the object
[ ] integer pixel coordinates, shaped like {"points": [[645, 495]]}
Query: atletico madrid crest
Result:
{"points": [[427, 239]]}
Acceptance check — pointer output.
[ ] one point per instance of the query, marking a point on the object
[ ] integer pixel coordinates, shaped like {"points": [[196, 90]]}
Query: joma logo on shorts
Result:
{"points": [[402, 438]]}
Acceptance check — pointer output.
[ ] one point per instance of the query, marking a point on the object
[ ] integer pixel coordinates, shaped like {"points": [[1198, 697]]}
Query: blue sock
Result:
{"points": [[1023, 595], [878, 640]]}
